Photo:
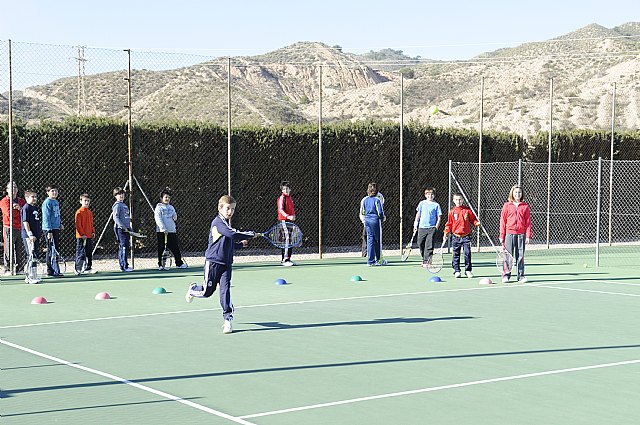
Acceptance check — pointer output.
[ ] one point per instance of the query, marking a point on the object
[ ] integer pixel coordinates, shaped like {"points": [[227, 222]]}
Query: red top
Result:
{"points": [[5, 206], [285, 207], [515, 220], [84, 223], [459, 221]]}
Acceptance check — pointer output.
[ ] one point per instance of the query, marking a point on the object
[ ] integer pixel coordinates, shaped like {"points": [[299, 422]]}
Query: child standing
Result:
{"points": [[52, 225], [31, 232], [428, 214], [223, 239], [286, 212], [166, 216], [372, 216], [515, 230], [85, 232], [122, 227], [12, 202], [459, 223]]}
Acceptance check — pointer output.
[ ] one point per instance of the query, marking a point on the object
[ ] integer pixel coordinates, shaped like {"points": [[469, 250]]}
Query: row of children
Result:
{"points": [[515, 228], [30, 222]]}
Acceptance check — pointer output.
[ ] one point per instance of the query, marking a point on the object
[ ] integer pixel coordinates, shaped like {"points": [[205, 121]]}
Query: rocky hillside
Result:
{"points": [[282, 87]]}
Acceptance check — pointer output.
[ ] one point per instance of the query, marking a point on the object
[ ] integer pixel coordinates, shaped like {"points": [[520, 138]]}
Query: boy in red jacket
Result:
{"points": [[515, 230], [85, 232], [459, 223], [286, 212]]}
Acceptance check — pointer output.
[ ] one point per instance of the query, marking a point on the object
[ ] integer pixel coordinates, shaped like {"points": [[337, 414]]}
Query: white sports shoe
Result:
{"points": [[523, 279], [183, 266], [90, 271], [128, 269], [287, 263], [227, 328], [188, 297], [161, 268], [505, 279], [469, 274], [456, 274]]}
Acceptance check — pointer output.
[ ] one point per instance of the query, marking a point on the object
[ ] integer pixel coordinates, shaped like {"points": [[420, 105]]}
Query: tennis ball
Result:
{"points": [[434, 110], [585, 265]]}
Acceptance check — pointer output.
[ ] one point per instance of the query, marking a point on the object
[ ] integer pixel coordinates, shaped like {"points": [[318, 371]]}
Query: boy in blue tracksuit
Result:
{"points": [[122, 227], [223, 239], [372, 216], [51, 226]]}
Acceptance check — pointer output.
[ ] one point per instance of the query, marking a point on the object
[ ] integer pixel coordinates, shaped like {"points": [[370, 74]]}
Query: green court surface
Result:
{"points": [[391, 349]]}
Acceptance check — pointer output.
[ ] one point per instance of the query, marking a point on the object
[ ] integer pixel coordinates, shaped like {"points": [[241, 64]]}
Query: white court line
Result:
{"points": [[127, 382], [440, 388], [624, 294], [256, 306]]}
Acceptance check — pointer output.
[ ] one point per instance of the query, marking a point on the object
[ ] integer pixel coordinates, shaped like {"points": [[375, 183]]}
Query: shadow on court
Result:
{"points": [[12, 392], [271, 326]]}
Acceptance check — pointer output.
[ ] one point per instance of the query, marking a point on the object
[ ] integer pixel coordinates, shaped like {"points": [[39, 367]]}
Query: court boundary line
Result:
{"points": [[439, 388], [593, 291], [130, 383], [132, 316]]}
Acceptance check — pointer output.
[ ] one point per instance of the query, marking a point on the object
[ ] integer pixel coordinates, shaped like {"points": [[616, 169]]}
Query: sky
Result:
{"points": [[442, 30]]}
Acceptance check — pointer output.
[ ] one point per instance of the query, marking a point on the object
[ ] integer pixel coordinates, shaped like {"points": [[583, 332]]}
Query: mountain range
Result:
{"points": [[282, 87]]}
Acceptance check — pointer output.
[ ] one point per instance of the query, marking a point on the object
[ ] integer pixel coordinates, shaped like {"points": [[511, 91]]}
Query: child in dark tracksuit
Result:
{"points": [[223, 239], [372, 216]]}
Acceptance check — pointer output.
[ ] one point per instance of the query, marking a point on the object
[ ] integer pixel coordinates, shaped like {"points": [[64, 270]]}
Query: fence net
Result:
{"points": [[181, 105]]}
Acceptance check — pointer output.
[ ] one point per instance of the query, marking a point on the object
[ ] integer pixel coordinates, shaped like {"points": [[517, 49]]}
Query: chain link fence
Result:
{"points": [[204, 126], [583, 210]]}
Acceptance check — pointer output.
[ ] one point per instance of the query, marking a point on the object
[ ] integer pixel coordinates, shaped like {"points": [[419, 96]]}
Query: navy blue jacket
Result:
{"points": [[31, 214], [223, 239]]}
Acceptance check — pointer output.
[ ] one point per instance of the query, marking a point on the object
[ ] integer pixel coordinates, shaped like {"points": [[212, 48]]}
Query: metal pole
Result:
{"points": [[480, 154], [598, 212], [320, 162], [229, 126], [10, 194], [613, 129], [549, 162], [449, 198], [401, 154], [130, 148], [519, 172]]}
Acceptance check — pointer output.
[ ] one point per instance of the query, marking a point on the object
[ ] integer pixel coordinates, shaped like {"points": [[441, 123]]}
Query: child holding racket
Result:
{"points": [[223, 239], [31, 232], [166, 216], [11, 205], [515, 230], [85, 232], [51, 226], [286, 212], [459, 221], [372, 216], [427, 220], [122, 227]]}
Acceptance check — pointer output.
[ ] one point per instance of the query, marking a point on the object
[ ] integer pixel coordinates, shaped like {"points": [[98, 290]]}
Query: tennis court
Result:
{"points": [[394, 348]]}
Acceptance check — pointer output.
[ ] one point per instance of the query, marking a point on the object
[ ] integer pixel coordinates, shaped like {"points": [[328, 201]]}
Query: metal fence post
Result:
{"points": [[549, 162], [598, 212], [519, 172], [613, 127], [320, 162], [480, 156], [10, 194], [401, 154]]}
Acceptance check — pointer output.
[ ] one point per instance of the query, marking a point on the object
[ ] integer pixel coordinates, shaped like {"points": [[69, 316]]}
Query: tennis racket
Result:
{"points": [[167, 259], [436, 262], [406, 252], [32, 269], [58, 262], [136, 234], [504, 259], [283, 235]]}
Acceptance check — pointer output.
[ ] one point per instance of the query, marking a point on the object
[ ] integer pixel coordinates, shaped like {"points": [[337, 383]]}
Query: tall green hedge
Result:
{"points": [[90, 155]]}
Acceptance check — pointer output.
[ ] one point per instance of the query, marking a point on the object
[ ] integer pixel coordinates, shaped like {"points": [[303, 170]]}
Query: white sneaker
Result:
{"points": [[77, 273], [188, 297], [505, 279], [383, 263], [469, 274], [456, 274], [128, 269], [523, 279], [182, 266], [227, 328], [287, 263], [33, 281], [161, 268]]}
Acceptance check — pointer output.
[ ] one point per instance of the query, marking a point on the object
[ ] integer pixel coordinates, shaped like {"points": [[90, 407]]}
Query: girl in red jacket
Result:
{"points": [[515, 230]]}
